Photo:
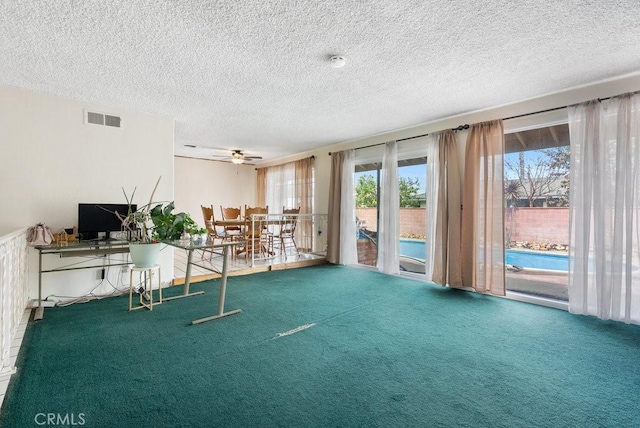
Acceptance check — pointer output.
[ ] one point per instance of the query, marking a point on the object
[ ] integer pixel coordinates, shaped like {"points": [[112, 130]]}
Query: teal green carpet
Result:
{"points": [[384, 352]]}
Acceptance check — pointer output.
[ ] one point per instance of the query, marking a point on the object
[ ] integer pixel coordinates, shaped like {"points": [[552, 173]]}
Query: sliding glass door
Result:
{"points": [[367, 187], [412, 174], [411, 212], [536, 216]]}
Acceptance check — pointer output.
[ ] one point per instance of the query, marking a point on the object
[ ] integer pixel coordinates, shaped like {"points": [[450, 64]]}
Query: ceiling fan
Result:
{"points": [[237, 156]]}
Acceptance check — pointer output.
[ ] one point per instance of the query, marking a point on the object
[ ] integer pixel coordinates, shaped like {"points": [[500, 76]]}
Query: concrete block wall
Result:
{"points": [[412, 220], [550, 225], [538, 224]]}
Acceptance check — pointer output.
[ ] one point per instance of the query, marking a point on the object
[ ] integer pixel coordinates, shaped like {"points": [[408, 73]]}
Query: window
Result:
{"points": [[411, 212], [536, 218], [290, 185]]}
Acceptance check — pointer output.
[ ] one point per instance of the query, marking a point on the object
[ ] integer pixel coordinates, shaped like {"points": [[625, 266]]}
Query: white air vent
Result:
{"points": [[103, 119], [95, 118], [112, 121]]}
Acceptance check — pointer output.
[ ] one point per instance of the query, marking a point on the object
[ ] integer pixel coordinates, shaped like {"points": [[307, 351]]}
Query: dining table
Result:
{"points": [[246, 223]]}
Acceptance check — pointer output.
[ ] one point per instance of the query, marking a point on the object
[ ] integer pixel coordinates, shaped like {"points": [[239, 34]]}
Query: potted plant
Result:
{"points": [[143, 247], [169, 226], [151, 224], [199, 233]]}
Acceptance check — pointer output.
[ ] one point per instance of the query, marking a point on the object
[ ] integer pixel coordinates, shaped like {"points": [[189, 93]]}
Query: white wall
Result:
{"points": [[206, 182], [51, 161]]}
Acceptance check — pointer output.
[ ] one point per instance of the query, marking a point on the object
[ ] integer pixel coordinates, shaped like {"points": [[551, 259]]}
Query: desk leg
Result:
{"points": [[223, 289], [39, 310], [187, 281]]}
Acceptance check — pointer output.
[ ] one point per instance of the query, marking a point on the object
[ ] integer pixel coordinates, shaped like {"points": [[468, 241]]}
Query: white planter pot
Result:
{"points": [[199, 238], [144, 255]]}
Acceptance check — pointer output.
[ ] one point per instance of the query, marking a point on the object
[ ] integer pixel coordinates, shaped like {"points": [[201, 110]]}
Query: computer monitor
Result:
{"points": [[98, 220]]}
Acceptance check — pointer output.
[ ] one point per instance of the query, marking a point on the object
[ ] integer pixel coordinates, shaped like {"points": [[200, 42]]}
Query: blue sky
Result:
{"points": [[530, 157]]}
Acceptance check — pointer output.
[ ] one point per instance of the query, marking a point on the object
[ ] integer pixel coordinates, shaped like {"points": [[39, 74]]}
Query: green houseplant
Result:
{"points": [[168, 226]]}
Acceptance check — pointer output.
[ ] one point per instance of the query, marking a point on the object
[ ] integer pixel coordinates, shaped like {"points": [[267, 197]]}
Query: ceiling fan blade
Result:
{"points": [[234, 153], [215, 149]]}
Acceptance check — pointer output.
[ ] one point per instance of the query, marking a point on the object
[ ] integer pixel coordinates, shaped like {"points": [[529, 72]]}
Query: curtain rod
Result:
{"points": [[461, 127], [310, 157], [561, 107]]}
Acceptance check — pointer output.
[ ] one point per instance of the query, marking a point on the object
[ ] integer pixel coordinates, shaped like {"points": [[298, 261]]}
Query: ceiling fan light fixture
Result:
{"points": [[237, 158]]}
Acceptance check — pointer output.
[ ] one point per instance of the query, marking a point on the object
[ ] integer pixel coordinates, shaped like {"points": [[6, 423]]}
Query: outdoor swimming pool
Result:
{"points": [[524, 259], [528, 259], [411, 248]]}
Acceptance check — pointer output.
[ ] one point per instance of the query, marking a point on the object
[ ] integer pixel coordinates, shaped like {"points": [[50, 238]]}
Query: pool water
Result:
{"points": [[413, 249], [524, 259], [545, 261]]}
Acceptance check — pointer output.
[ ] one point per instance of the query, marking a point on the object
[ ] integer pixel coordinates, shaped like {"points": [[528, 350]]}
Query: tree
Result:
{"points": [[512, 192], [409, 188], [560, 160], [543, 176], [367, 191]]}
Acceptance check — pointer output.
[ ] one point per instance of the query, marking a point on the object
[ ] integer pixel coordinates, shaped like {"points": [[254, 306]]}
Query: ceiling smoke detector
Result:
{"points": [[337, 61]]}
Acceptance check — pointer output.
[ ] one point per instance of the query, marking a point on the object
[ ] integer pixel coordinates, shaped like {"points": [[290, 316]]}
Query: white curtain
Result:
{"points": [[431, 195], [348, 244], [389, 206], [280, 187], [604, 264]]}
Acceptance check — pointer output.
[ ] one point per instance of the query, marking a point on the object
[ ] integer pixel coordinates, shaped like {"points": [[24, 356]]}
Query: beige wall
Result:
{"points": [[51, 160], [204, 182]]}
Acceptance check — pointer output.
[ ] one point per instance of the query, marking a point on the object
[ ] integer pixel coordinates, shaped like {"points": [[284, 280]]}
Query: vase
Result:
{"points": [[144, 255]]}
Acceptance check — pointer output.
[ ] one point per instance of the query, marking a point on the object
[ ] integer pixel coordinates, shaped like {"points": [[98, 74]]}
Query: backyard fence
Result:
{"points": [[548, 224]]}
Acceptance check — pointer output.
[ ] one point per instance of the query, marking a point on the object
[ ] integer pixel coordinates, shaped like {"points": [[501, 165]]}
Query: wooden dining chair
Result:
{"points": [[232, 233], [207, 214], [287, 235], [209, 224], [255, 235]]}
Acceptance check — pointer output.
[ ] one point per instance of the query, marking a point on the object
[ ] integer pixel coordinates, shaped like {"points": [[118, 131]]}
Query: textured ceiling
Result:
{"points": [[255, 75]]}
